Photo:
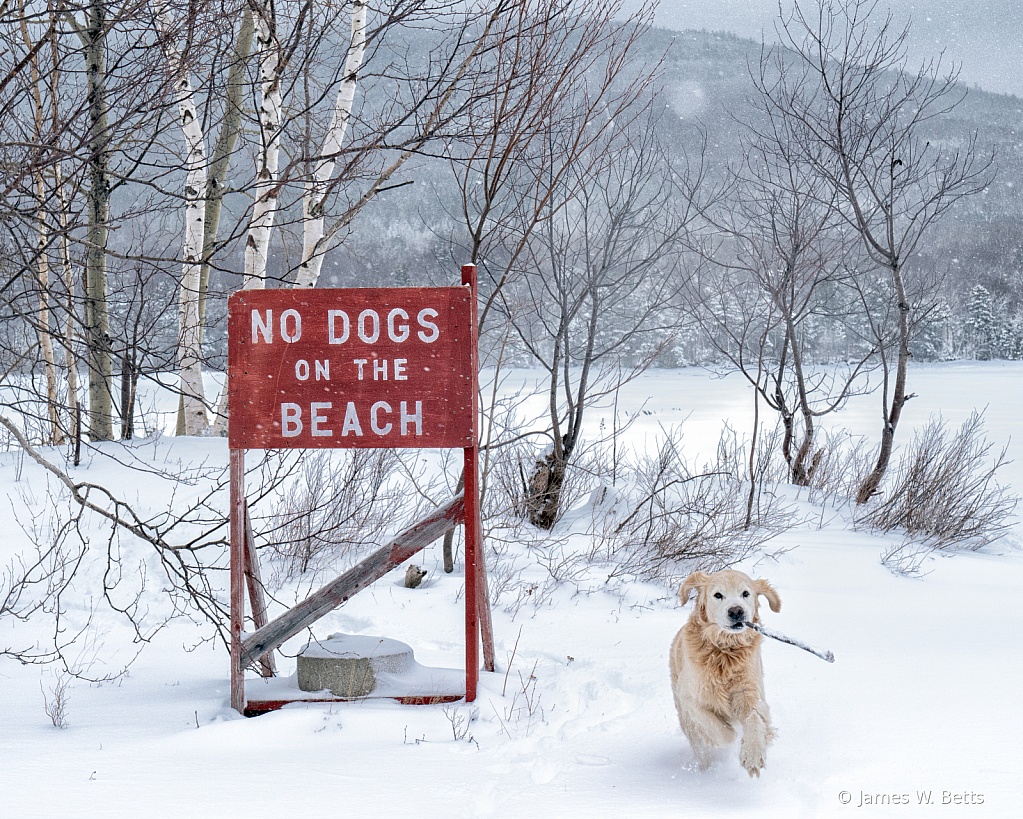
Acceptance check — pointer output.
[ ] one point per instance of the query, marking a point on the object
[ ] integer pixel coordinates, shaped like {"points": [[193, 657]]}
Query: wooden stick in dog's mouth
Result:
{"points": [[774, 635]]}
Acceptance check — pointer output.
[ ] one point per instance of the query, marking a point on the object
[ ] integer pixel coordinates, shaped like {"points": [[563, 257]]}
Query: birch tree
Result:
{"points": [[39, 137], [271, 65], [314, 201], [428, 116], [404, 127], [97, 319], [189, 352], [111, 115], [42, 239]]}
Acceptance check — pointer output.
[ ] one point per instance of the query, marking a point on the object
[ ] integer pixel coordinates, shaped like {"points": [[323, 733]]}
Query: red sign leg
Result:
{"points": [[238, 516], [472, 557]]}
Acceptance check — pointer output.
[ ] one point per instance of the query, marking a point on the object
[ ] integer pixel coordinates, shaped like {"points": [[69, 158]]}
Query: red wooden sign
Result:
{"points": [[374, 367], [368, 367]]}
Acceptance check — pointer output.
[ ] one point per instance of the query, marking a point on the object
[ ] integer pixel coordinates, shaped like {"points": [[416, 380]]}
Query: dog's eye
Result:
{"points": [[745, 594], [719, 596]]}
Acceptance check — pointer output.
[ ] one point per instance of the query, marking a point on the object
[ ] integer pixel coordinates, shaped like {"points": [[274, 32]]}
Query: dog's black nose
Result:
{"points": [[737, 614]]}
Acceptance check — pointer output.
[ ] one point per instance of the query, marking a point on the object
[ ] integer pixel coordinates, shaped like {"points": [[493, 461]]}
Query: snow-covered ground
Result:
{"points": [[919, 714]]}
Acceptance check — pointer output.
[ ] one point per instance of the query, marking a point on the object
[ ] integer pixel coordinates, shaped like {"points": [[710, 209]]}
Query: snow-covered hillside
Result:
{"points": [[919, 714]]}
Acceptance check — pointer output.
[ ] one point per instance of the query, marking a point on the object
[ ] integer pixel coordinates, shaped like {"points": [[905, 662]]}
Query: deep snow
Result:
{"points": [[921, 700]]}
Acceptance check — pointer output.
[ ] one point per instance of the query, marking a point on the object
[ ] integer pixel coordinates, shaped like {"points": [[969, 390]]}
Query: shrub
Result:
{"points": [[685, 519], [944, 490]]}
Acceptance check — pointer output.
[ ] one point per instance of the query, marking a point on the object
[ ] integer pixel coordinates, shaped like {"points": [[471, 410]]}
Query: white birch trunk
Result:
{"points": [[97, 233], [314, 241], [258, 241], [42, 259], [316, 236], [70, 360], [45, 337], [189, 333]]}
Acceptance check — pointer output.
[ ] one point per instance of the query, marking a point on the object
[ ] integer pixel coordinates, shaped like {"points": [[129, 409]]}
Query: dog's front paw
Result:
{"points": [[752, 758]]}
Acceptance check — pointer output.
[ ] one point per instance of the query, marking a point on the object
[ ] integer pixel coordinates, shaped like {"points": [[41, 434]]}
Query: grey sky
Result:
{"points": [[985, 36]]}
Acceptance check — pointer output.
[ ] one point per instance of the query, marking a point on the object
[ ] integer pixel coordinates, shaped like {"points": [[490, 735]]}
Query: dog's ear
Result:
{"points": [[695, 581], [766, 589]]}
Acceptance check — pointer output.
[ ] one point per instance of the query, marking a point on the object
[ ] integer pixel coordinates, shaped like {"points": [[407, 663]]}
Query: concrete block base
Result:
{"points": [[349, 665]]}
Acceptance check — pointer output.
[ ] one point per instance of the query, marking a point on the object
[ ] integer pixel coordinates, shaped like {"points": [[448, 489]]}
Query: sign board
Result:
{"points": [[351, 368], [369, 367]]}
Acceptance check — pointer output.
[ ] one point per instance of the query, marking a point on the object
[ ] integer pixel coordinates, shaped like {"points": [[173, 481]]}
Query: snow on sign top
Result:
{"points": [[352, 368]]}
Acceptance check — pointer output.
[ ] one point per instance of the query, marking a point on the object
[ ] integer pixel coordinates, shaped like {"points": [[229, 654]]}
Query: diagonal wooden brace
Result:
{"points": [[335, 593]]}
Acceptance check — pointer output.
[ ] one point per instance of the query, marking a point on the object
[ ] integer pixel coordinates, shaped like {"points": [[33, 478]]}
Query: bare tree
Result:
{"points": [[42, 262], [776, 265], [859, 119], [598, 278], [563, 83], [547, 68], [338, 180]]}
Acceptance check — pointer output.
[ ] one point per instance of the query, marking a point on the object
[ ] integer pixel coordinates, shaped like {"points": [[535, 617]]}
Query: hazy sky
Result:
{"points": [[985, 36]]}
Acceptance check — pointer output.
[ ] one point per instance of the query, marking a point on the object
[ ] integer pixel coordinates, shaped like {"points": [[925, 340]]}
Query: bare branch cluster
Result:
{"points": [[944, 492], [687, 519], [337, 509]]}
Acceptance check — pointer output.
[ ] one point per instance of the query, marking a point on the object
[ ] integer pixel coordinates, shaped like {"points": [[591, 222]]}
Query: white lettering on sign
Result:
{"points": [[351, 421], [417, 417], [322, 370], [369, 336], [291, 420], [397, 333], [380, 368], [261, 327], [374, 420], [424, 321], [292, 425], [315, 419], [332, 336], [339, 326], [296, 332]]}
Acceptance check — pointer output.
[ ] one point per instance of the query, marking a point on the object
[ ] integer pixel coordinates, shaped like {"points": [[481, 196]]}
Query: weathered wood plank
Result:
{"points": [[267, 663], [335, 593]]}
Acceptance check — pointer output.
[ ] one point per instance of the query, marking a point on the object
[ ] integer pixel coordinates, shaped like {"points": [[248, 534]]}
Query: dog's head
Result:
{"points": [[728, 599]]}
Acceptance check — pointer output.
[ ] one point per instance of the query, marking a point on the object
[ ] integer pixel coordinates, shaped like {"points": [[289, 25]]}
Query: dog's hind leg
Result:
{"points": [[706, 731], [703, 752]]}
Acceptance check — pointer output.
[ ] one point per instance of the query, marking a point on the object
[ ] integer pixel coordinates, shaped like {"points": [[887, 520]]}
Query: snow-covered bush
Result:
{"points": [[681, 519], [944, 491]]}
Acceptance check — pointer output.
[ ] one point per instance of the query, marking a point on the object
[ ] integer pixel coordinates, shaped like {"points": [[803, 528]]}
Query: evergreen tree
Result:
{"points": [[980, 325], [934, 341]]}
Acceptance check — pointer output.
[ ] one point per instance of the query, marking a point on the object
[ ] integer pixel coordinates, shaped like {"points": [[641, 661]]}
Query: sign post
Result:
{"points": [[355, 368]]}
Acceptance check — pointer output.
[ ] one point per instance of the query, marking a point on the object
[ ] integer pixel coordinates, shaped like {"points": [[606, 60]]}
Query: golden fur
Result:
{"points": [[716, 672]]}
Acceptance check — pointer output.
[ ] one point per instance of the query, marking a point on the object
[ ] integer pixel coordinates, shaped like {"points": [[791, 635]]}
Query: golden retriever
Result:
{"points": [[716, 672]]}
